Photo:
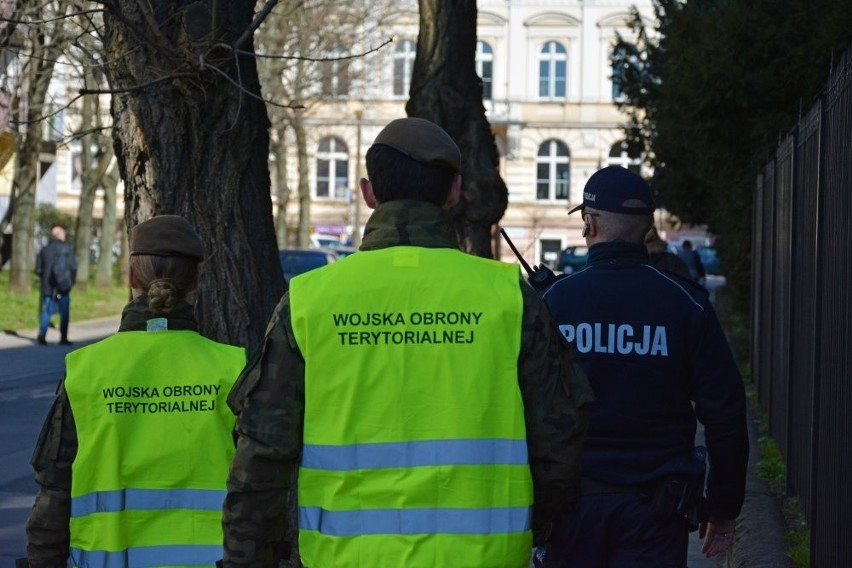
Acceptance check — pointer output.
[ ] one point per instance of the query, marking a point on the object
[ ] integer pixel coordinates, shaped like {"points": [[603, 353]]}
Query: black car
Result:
{"points": [[295, 261]]}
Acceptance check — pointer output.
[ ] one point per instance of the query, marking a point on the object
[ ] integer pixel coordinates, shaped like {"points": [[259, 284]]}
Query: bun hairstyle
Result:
{"points": [[164, 280], [164, 255]]}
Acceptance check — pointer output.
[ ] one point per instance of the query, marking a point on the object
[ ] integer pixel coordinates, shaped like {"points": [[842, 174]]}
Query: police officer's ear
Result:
{"points": [[455, 192], [367, 192]]}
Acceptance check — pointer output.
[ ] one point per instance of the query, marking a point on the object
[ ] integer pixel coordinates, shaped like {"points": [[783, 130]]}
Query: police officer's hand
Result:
{"points": [[718, 536]]}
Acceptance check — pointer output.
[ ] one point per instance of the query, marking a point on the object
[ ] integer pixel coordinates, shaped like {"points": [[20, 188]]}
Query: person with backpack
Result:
{"points": [[56, 267]]}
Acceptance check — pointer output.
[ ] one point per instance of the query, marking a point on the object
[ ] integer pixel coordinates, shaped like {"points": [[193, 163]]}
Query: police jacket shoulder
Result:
{"points": [[619, 277], [696, 290]]}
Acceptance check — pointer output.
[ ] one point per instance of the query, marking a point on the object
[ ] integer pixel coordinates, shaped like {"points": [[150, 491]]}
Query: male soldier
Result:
{"points": [[651, 346], [434, 407]]}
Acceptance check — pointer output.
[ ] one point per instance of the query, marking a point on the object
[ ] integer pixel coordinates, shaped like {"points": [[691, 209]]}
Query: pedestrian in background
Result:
{"points": [[692, 259], [434, 407], [657, 359], [56, 268], [660, 257], [133, 457]]}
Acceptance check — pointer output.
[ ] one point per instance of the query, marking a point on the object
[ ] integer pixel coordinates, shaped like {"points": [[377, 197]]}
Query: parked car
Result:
{"points": [[295, 261], [572, 259], [323, 240]]}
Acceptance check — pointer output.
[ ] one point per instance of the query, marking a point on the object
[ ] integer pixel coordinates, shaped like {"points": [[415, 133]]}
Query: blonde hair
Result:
{"points": [[164, 280]]}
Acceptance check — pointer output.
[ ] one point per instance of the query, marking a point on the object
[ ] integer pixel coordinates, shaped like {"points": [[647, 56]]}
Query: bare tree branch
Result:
{"points": [[50, 20], [315, 59], [270, 4], [138, 87], [294, 106]]}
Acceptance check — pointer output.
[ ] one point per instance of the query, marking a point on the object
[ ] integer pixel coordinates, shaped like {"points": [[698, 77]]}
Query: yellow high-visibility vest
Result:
{"points": [[155, 444], [415, 449]]}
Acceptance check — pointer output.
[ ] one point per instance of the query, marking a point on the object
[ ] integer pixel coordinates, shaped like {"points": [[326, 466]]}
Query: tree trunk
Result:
{"points": [[190, 142], [304, 184], [83, 229], [279, 149], [446, 90], [124, 256], [23, 217], [103, 274], [45, 47]]}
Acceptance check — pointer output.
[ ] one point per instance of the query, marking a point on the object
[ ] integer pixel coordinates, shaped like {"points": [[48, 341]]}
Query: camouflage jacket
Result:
{"points": [[269, 398], [48, 535]]}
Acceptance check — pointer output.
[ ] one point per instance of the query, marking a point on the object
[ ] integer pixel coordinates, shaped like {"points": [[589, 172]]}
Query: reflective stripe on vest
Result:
{"points": [[416, 521], [189, 555], [415, 453], [124, 499], [154, 447], [415, 447]]}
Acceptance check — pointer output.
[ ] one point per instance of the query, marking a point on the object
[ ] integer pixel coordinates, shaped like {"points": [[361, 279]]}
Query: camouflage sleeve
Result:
{"points": [[269, 398], [554, 389], [48, 535]]}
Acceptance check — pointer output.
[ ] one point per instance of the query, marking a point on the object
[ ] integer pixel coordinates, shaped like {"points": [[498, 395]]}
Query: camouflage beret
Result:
{"points": [[421, 140], [166, 235]]}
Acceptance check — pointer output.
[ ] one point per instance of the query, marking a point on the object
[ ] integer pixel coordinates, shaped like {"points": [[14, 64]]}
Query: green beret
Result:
{"points": [[423, 141], [166, 235]]}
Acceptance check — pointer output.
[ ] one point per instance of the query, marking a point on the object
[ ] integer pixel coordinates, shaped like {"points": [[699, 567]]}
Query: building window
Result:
{"points": [[332, 168], [627, 155], [550, 249], [625, 68], [334, 74], [552, 71], [485, 67], [403, 65], [552, 167]]}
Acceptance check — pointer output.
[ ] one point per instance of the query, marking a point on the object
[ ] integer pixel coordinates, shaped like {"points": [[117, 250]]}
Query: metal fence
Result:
{"points": [[802, 312]]}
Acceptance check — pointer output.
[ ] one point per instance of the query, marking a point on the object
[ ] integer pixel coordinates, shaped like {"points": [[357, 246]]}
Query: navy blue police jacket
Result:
{"points": [[657, 359]]}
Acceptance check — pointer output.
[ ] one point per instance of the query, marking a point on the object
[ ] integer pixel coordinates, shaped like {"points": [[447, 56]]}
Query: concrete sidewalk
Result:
{"points": [[78, 332], [759, 541]]}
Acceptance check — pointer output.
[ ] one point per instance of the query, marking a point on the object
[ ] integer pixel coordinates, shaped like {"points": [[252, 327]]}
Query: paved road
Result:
{"points": [[29, 374]]}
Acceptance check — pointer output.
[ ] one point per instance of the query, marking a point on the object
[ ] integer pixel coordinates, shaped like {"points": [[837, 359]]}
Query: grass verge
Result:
{"points": [[22, 312]]}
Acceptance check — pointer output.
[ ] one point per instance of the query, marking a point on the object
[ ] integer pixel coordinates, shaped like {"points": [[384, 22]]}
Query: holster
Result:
{"points": [[682, 494]]}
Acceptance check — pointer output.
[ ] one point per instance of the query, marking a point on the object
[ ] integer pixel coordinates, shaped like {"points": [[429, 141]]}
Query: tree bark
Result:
{"points": [[94, 168], [191, 139], [88, 187], [279, 150], [304, 235], [103, 273], [446, 90]]}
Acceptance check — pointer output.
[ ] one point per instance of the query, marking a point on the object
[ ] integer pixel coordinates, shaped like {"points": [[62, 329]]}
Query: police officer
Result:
{"points": [[657, 359], [133, 457], [435, 409]]}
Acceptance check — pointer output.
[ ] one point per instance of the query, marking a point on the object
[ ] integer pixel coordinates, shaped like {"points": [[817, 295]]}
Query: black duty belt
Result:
{"points": [[590, 486]]}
